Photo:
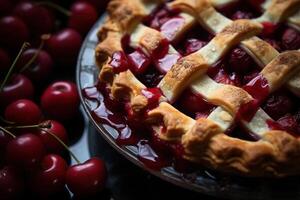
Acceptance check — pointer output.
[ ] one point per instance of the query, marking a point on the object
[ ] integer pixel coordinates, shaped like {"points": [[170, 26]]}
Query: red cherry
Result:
{"points": [[25, 151], [240, 62], [4, 62], [87, 178], [291, 39], [40, 69], [11, 183], [19, 87], [5, 7], [119, 62], [60, 100], [13, 32], [192, 45], [38, 19], [51, 144], [64, 46], [83, 16], [278, 104], [50, 179], [23, 112], [193, 102], [269, 28]]}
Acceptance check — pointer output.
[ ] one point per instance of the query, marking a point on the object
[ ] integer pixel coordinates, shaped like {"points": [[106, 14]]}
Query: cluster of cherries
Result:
{"points": [[34, 108]]}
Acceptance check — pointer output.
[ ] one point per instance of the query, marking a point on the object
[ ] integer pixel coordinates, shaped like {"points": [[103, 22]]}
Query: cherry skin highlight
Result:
{"points": [[88, 178], [50, 178], [83, 16], [64, 46], [60, 100], [18, 87], [41, 67], [9, 25], [51, 144], [23, 112], [25, 151]]}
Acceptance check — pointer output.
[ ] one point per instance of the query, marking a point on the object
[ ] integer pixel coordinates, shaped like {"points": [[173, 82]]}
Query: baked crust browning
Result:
{"points": [[282, 9], [281, 69], [174, 123], [182, 74], [277, 154], [126, 87], [230, 97]]}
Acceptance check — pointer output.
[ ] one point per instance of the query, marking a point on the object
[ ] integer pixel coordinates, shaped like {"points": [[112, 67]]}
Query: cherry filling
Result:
{"points": [[237, 68], [119, 62], [153, 95], [194, 105]]}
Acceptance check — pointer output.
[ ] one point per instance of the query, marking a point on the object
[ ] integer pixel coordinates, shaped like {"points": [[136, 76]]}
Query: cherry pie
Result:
{"points": [[216, 82]]}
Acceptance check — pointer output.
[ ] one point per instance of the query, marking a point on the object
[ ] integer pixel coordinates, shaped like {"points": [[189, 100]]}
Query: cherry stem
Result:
{"points": [[6, 121], [55, 6], [7, 132], [44, 126], [62, 143], [23, 48], [28, 64]]}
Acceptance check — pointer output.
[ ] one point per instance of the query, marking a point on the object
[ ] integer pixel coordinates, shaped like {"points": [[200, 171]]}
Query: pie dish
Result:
{"points": [[214, 83]]}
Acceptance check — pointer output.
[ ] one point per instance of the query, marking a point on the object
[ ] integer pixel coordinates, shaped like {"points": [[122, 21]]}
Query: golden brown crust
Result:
{"points": [[276, 154], [182, 74], [175, 123], [281, 69], [230, 97], [282, 9]]}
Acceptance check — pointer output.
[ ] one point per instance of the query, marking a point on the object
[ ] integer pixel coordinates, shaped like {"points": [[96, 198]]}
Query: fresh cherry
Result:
{"points": [[41, 67], [239, 61], [38, 19], [60, 100], [88, 178], [291, 39], [51, 144], [50, 178], [23, 112], [25, 151], [4, 62], [192, 45], [19, 87], [64, 46], [11, 183], [83, 16], [13, 32]]}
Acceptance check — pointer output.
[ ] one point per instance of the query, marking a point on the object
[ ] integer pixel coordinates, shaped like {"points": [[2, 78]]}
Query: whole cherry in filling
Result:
{"points": [[291, 39]]}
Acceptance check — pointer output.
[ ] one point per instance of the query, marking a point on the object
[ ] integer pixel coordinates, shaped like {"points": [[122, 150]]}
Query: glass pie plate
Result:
{"points": [[202, 181]]}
